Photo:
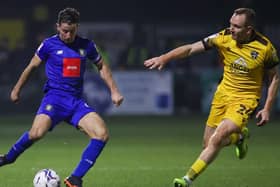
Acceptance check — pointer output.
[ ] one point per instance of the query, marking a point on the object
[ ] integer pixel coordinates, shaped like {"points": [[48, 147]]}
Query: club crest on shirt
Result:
{"points": [[82, 52], [254, 54], [48, 107]]}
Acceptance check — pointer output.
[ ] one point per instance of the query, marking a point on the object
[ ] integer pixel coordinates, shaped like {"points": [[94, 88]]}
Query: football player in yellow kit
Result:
{"points": [[247, 56]]}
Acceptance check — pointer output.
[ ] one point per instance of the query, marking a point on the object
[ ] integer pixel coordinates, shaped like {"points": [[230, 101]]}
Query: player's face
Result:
{"points": [[238, 28], [67, 32]]}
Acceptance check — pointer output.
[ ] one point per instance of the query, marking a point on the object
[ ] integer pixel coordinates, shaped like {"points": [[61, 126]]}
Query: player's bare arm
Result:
{"points": [[177, 53], [264, 114], [34, 63], [106, 75]]}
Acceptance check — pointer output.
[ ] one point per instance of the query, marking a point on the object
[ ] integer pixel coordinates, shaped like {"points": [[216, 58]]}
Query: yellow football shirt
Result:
{"points": [[244, 65]]}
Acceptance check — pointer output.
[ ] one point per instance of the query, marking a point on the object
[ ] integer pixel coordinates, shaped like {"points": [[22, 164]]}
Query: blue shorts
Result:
{"points": [[64, 107]]}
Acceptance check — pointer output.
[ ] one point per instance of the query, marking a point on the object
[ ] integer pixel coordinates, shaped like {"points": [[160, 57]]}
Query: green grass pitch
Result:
{"points": [[143, 151]]}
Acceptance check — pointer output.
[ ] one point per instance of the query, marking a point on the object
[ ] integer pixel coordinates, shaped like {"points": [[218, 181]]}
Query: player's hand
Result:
{"points": [[14, 96], [155, 62], [117, 99], [263, 117]]}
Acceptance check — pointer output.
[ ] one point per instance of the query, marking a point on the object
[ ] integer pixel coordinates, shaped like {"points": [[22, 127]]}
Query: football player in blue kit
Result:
{"points": [[65, 55]]}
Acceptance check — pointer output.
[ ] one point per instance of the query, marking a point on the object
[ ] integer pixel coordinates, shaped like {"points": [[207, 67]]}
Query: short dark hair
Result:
{"points": [[68, 15], [249, 13]]}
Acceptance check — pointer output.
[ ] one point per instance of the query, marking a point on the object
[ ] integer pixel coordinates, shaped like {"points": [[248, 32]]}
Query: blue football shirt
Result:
{"points": [[66, 63]]}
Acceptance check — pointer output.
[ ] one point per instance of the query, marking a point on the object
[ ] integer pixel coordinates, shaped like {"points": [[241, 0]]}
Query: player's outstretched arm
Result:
{"points": [[264, 114], [15, 93], [106, 75], [177, 53]]}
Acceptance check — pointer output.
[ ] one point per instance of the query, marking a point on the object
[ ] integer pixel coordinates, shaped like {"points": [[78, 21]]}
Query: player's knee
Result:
{"points": [[35, 135], [100, 134], [103, 135]]}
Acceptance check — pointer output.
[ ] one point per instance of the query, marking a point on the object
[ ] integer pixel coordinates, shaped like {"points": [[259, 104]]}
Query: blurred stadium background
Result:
{"points": [[127, 33], [161, 109]]}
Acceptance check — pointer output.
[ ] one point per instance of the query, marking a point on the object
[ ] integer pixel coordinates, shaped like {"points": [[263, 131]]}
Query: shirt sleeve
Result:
{"points": [[93, 53], [271, 57], [42, 51], [215, 40]]}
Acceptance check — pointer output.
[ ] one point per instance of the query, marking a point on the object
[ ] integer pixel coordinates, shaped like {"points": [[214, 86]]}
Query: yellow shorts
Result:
{"points": [[238, 110]]}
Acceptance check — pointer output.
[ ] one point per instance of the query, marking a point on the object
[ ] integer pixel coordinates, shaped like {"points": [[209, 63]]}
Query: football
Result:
{"points": [[46, 178]]}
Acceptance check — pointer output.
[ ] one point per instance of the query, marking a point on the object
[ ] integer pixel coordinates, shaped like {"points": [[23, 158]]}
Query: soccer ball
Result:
{"points": [[46, 178]]}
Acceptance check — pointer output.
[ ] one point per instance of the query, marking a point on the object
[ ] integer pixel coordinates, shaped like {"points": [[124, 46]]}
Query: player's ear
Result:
{"points": [[250, 29], [57, 27]]}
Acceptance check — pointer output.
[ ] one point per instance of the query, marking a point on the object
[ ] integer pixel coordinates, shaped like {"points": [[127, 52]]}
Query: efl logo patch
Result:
{"points": [[71, 67]]}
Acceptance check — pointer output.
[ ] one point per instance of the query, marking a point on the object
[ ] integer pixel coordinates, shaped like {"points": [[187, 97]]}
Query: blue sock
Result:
{"points": [[19, 147], [89, 157]]}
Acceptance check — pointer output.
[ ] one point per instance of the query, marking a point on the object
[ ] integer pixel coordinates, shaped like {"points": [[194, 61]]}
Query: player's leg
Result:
{"points": [[219, 139], [215, 117], [40, 126], [208, 132], [93, 125], [240, 112], [186, 181]]}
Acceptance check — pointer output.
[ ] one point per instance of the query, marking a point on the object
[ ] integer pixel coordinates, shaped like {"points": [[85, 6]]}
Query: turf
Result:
{"points": [[143, 151]]}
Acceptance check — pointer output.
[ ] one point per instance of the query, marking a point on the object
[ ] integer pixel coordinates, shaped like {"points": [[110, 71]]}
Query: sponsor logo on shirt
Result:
{"points": [[239, 66], [71, 67]]}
